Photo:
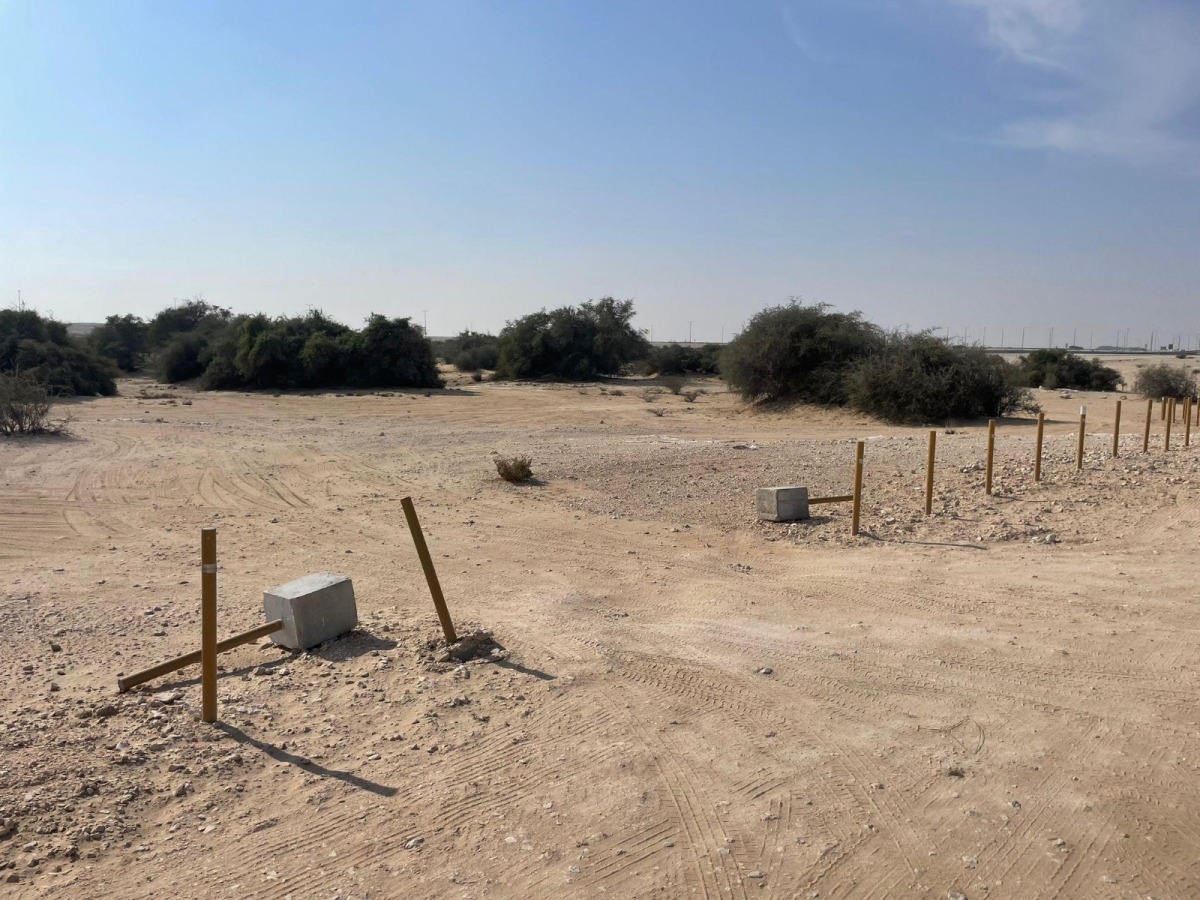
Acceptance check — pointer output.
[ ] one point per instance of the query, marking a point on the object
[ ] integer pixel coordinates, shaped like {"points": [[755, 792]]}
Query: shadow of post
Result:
{"points": [[307, 765]]}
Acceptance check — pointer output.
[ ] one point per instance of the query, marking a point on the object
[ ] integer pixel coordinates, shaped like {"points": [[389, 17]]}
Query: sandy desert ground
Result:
{"points": [[999, 701]]}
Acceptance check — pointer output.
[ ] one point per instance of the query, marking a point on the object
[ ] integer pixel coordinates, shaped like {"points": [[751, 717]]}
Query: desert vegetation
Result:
{"points": [[814, 354], [1165, 380], [40, 350], [24, 406], [594, 339], [1054, 368]]}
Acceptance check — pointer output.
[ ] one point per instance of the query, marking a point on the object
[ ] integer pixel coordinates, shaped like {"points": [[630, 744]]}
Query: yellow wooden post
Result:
{"points": [[1162, 412], [1079, 445], [1037, 453], [1117, 431], [1170, 416], [858, 473], [208, 624], [929, 472], [1146, 433], [987, 478], [1187, 421]]}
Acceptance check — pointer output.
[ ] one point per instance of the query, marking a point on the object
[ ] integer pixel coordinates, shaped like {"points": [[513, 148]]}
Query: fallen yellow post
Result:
{"points": [[126, 682]]}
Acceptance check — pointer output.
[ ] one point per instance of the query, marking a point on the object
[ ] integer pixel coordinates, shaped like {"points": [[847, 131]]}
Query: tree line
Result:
{"points": [[791, 352]]}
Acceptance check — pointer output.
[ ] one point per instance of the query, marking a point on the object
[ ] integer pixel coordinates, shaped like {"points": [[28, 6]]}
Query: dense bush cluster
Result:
{"points": [[41, 350], [676, 359], [310, 351], [470, 351], [576, 342], [1053, 369], [919, 378], [798, 352], [1165, 380], [811, 353]]}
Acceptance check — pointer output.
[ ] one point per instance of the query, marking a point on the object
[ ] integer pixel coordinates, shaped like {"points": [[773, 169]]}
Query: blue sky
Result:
{"points": [[951, 163]]}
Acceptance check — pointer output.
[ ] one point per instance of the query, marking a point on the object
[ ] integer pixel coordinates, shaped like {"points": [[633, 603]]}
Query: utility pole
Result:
{"points": [[1001, 337], [425, 313], [1074, 332], [1152, 342], [689, 331], [1051, 335], [1022, 337], [985, 337]]}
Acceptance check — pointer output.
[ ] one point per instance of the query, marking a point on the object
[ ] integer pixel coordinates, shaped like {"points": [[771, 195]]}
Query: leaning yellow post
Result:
{"points": [[1187, 421], [1117, 431], [1170, 416], [435, 587], [1079, 445], [858, 472], [208, 624], [1037, 453], [1146, 433], [929, 472], [987, 478], [1162, 412]]}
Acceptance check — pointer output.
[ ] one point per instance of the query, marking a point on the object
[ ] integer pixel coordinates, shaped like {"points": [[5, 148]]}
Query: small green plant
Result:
{"points": [[649, 395], [673, 383], [514, 469]]}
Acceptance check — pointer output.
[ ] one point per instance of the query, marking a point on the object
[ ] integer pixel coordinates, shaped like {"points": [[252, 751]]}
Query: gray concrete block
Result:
{"points": [[314, 609], [782, 504]]}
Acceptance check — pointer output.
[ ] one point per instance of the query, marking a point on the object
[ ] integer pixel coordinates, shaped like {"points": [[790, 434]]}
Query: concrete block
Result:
{"points": [[314, 609], [782, 504]]}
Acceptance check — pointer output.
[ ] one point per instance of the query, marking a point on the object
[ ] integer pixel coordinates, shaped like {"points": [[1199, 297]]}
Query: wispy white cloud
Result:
{"points": [[1129, 73]]}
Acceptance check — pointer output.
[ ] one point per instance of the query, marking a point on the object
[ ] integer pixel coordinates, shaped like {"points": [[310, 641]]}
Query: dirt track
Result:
{"points": [[1000, 701]]}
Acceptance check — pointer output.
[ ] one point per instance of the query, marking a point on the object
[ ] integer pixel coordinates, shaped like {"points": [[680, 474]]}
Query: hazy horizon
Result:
{"points": [[956, 164]]}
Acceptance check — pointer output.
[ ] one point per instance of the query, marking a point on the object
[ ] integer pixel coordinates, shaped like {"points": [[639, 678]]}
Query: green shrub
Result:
{"points": [[179, 360], [673, 383], [286, 353], [123, 339], [41, 349], [920, 378], [798, 352], [515, 468], [1165, 380], [576, 342], [471, 351], [1055, 368], [676, 359], [24, 406], [187, 317]]}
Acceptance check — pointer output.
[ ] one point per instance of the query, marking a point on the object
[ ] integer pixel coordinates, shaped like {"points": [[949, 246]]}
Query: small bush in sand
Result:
{"points": [[1165, 380], [673, 383], [25, 407], [690, 396], [514, 469], [658, 411]]}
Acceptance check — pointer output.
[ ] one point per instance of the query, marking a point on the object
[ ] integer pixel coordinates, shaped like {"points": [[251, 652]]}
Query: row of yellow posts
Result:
{"points": [[1168, 412]]}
